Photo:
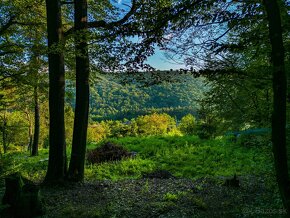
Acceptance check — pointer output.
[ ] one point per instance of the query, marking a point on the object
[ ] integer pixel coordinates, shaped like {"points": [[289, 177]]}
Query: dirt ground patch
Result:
{"points": [[164, 198]]}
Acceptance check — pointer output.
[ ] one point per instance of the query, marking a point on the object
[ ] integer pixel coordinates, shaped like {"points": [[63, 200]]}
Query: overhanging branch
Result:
{"points": [[104, 24], [108, 25]]}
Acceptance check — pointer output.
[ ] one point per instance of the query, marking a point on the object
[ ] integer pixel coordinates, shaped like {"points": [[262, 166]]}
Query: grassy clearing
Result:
{"points": [[183, 156]]}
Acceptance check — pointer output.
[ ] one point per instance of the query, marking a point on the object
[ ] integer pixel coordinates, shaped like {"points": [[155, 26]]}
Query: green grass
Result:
{"points": [[184, 156], [21, 161]]}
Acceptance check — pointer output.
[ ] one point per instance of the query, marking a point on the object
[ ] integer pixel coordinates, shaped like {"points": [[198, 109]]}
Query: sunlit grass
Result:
{"points": [[183, 156]]}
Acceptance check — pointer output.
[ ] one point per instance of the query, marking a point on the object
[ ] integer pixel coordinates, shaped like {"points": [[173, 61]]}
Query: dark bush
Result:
{"points": [[205, 131], [107, 152], [253, 140]]}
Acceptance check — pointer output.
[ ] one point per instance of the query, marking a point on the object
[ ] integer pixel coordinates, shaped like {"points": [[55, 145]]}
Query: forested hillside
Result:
{"points": [[111, 99]]}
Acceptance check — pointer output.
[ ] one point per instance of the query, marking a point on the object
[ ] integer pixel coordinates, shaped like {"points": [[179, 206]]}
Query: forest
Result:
{"points": [[90, 128]]}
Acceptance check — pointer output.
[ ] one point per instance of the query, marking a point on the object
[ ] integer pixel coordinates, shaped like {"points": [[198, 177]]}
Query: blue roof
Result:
{"points": [[250, 131]]}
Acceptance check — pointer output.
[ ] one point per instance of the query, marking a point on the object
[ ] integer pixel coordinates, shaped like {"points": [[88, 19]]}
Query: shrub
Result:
{"points": [[107, 152], [205, 130], [155, 124], [186, 125], [97, 132], [123, 128], [253, 140]]}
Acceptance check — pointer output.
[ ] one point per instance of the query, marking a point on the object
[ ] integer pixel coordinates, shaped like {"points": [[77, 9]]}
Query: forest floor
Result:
{"points": [[198, 169], [163, 198]]}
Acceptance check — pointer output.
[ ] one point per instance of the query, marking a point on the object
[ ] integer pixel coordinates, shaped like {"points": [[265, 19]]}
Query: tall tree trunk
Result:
{"points": [[279, 112], [57, 150], [4, 134], [30, 134], [34, 151], [30, 138], [76, 167]]}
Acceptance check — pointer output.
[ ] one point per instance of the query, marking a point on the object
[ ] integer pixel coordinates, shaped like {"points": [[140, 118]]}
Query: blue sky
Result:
{"points": [[159, 61]]}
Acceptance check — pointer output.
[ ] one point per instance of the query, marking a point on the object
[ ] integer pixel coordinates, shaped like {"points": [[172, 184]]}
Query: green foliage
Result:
{"points": [[170, 197], [254, 140], [189, 157], [112, 100], [155, 124], [33, 168], [146, 187], [205, 130], [14, 129], [69, 123], [122, 128], [147, 125], [97, 132], [126, 169], [187, 124]]}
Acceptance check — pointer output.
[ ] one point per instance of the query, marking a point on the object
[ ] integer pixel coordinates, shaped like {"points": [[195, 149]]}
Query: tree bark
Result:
{"points": [[279, 109], [34, 151], [57, 149], [76, 167]]}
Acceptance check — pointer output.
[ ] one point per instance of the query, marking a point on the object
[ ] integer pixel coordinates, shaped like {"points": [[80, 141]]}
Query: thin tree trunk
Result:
{"points": [[4, 134], [29, 148], [34, 151], [30, 134], [57, 152], [76, 167], [4, 137], [279, 109]]}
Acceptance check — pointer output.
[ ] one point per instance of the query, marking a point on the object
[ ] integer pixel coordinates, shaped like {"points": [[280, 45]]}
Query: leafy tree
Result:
{"points": [[22, 55], [187, 124], [155, 124], [98, 132]]}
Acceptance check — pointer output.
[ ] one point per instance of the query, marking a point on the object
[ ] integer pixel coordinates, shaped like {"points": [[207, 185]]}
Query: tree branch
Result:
{"points": [[7, 25], [106, 25]]}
